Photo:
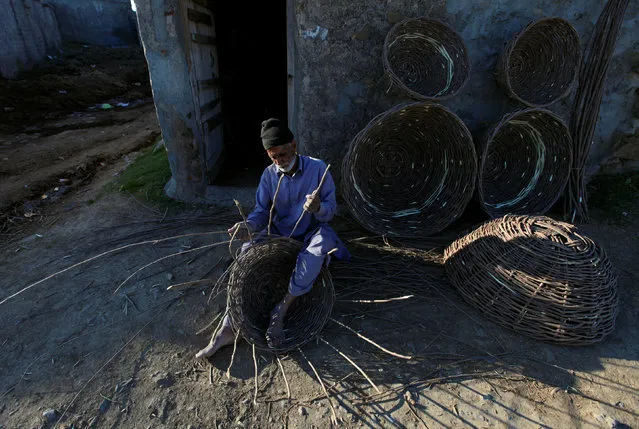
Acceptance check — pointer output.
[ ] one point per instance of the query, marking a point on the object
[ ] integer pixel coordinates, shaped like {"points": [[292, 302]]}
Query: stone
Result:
{"points": [[169, 276], [618, 425], [51, 415], [302, 411], [363, 34]]}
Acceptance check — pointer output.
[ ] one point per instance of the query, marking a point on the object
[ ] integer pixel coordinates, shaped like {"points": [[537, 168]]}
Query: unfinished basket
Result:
{"points": [[539, 65], [411, 171], [537, 276], [524, 163], [258, 281], [426, 59]]}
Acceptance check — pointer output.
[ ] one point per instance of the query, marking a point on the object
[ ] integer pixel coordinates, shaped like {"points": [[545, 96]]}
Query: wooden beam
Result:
{"points": [[207, 107], [200, 38], [209, 83], [199, 17]]}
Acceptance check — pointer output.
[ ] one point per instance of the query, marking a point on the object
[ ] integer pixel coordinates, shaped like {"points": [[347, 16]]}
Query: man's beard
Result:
{"points": [[288, 167]]}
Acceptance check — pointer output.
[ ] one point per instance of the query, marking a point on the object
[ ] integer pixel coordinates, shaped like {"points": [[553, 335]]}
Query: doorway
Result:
{"points": [[251, 43]]}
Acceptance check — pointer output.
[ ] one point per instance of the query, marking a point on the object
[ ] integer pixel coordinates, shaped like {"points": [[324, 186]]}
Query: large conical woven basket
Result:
{"points": [[539, 65], [411, 171], [538, 277], [426, 59], [258, 281], [524, 163]]}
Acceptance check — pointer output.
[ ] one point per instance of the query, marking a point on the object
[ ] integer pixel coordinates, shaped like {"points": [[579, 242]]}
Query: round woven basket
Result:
{"points": [[539, 65], [411, 171], [426, 59], [524, 163], [258, 281], [537, 276]]}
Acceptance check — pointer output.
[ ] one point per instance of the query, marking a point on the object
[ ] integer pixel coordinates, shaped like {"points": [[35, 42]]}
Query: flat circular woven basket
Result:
{"points": [[524, 163], [537, 276], [411, 171], [258, 281], [539, 65], [426, 59]]}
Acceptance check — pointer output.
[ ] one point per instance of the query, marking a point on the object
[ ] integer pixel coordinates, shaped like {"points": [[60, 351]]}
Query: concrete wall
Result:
{"points": [[163, 35], [96, 22], [28, 32], [340, 83]]}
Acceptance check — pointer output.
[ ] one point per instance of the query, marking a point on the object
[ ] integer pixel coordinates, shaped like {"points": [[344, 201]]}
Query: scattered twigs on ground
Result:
{"points": [[361, 371], [228, 370], [368, 340], [178, 286], [288, 388], [334, 418]]}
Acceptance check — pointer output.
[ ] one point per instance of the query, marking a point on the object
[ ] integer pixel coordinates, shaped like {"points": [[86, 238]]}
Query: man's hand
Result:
{"points": [[242, 232], [312, 203]]}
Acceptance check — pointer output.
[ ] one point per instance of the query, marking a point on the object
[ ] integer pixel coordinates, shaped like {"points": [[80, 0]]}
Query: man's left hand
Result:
{"points": [[312, 203]]}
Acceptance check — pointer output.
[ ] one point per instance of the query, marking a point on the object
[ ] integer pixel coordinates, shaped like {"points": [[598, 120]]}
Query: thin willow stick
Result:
{"points": [[361, 371], [104, 254], [334, 418], [185, 285], [370, 341], [270, 213], [376, 301], [209, 325], [167, 257], [316, 190], [255, 366], [228, 370], [288, 388], [239, 208]]}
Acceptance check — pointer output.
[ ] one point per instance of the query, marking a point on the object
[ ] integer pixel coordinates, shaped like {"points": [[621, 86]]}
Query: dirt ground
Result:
{"points": [[76, 351]]}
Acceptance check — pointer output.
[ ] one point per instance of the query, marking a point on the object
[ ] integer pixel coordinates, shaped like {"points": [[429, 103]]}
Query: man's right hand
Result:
{"points": [[242, 232]]}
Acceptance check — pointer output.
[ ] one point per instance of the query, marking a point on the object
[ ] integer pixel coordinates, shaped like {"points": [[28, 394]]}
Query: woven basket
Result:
{"points": [[411, 171], [258, 281], [426, 59], [537, 276], [539, 65], [524, 163]]}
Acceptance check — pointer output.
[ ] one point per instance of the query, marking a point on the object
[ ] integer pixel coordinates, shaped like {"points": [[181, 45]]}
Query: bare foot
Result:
{"points": [[275, 331], [224, 337]]}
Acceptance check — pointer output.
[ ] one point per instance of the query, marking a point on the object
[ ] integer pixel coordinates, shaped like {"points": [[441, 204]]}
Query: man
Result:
{"points": [[300, 176]]}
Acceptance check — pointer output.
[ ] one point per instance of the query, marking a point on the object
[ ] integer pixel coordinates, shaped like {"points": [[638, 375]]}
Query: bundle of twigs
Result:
{"points": [[585, 110], [426, 59], [258, 281], [537, 276], [539, 65], [411, 171], [524, 163]]}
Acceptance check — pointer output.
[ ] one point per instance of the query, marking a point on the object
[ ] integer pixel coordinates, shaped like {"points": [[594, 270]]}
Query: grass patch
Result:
{"points": [[616, 196], [145, 179]]}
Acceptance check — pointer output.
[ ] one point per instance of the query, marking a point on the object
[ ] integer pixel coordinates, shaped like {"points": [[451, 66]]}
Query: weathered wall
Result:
{"points": [[28, 32], [163, 37], [96, 22], [341, 86]]}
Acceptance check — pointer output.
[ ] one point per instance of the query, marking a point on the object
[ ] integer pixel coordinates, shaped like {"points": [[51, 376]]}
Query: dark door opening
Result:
{"points": [[251, 43]]}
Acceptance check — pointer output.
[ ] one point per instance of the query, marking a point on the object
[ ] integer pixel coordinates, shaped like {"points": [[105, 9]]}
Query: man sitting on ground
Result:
{"points": [[300, 176]]}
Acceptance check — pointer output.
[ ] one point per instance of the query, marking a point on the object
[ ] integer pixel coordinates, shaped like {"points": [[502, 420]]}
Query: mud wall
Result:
{"points": [[96, 22], [340, 84], [28, 32]]}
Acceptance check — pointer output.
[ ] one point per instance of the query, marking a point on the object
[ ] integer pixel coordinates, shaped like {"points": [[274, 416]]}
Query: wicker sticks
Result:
{"points": [[524, 163], [259, 280], [536, 276], [426, 59], [585, 108], [411, 171], [539, 65]]}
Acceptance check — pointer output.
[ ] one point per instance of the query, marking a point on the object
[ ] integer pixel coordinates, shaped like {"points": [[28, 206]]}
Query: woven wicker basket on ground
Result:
{"points": [[524, 163], [426, 59], [539, 65], [259, 280], [537, 276], [411, 171]]}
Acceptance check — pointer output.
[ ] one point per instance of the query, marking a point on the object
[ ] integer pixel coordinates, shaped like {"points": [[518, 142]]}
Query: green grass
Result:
{"points": [[146, 177], [615, 196]]}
